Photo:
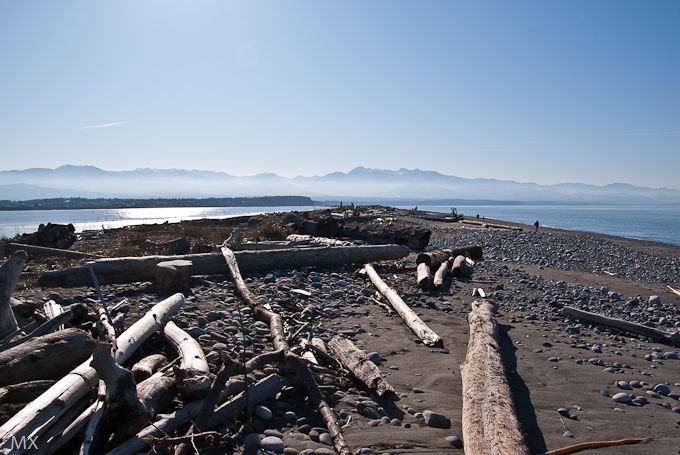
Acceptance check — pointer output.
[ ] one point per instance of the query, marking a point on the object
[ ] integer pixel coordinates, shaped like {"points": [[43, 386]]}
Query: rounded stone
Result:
{"points": [[290, 451], [263, 412], [325, 438], [290, 417], [564, 412], [622, 397], [272, 443], [252, 441], [662, 389], [374, 423], [455, 441]]}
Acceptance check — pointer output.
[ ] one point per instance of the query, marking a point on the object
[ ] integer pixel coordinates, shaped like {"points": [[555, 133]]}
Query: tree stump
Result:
{"points": [[173, 276]]}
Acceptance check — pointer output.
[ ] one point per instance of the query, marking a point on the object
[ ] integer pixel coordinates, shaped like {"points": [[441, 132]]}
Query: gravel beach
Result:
{"points": [[571, 382]]}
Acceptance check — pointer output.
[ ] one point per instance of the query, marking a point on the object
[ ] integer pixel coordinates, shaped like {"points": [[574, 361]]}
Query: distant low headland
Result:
{"points": [[125, 203]]}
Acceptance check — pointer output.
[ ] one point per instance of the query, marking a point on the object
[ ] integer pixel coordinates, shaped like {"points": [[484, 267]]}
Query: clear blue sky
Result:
{"points": [[544, 91]]}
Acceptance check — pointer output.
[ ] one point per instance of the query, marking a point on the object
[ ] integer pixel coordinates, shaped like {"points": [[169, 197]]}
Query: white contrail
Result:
{"points": [[103, 125]]}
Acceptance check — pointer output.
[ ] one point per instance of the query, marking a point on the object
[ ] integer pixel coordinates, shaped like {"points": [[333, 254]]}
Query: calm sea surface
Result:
{"points": [[661, 223], [20, 221]]}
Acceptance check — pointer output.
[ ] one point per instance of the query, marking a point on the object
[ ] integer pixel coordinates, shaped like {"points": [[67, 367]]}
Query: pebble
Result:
{"points": [[366, 451], [436, 420], [375, 357], [252, 441], [263, 412], [455, 441], [290, 451], [374, 423], [564, 412], [325, 438], [323, 451], [272, 443], [662, 389], [624, 385], [653, 394], [622, 398]]}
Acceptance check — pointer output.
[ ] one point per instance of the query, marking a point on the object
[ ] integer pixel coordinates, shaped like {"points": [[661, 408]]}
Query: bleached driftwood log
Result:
{"points": [[47, 357], [295, 362], [460, 267], [157, 392], [443, 269], [173, 276], [490, 424], [24, 392], [423, 276], [410, 318], [37, 416], [358, 364], [131, 269], [434, 258], [148, 366], [43, 251], [192, 374], [10, 271], [317, 241], [661, 336], [262, 390]]}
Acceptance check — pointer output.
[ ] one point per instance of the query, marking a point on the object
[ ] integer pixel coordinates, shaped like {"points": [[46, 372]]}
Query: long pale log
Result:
{"points": [[434, 258], [661, 336], [10, 271], [193, 379], [38, 415], [317, 241], [410, 318], [45, 252], [47, 357], [262, 390], [279, 341], [490, 424], [358, 364], [131, 269], [443, 269], [423, 276]]}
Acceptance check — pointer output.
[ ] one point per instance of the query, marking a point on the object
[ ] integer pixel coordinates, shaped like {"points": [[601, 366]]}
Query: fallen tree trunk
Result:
{"points": [[435, 258], [423, 276], [47, 357], [131, 269], [156, 393], [38, 415], [490, 424], [262, 390], [52, 310], [10, 271], [295, 362], [661, 336], [409, 316], [192, 375], [443, 269], [460, 267], [45, 252], [317, 241], [24, 392], [358, 364]]}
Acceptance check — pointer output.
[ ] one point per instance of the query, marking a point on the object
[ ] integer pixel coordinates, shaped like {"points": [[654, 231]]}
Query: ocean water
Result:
{"points": [[13, 222], [658, 223]]}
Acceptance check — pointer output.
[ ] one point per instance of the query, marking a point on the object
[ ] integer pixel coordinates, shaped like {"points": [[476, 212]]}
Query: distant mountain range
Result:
{"points": [[360, 185]]}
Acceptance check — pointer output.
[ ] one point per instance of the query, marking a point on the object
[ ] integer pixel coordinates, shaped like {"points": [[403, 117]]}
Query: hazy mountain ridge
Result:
{"points": [[360, 182]]}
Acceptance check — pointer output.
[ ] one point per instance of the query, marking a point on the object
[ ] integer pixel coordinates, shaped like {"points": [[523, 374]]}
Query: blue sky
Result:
{"points": [[544, 91]]}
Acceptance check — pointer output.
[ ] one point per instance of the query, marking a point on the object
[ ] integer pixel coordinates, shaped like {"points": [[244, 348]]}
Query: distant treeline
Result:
{"points": [[105, 203]]}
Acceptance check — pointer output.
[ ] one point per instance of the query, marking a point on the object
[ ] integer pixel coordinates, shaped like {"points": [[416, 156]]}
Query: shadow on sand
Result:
{"points": [[520, 393]]}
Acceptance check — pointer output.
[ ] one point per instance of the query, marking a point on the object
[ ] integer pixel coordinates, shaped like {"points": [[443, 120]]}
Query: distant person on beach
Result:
{"points": [[536, 226]]}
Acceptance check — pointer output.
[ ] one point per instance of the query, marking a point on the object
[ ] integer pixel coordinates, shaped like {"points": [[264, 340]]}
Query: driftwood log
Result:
{"points": [[435, 258], [192, 374], [173, 276], [43, 329], [262, 390], [661, 336], [10, 271], [296, 363], [46, 252], [157, 392], [148, 366], [303, 239], [443, 269], [410, 318], [132, 269], [46, 357], [460, 267], [359, 366], [24, 392], [423, 276], [490, 424], [37, 416]]}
